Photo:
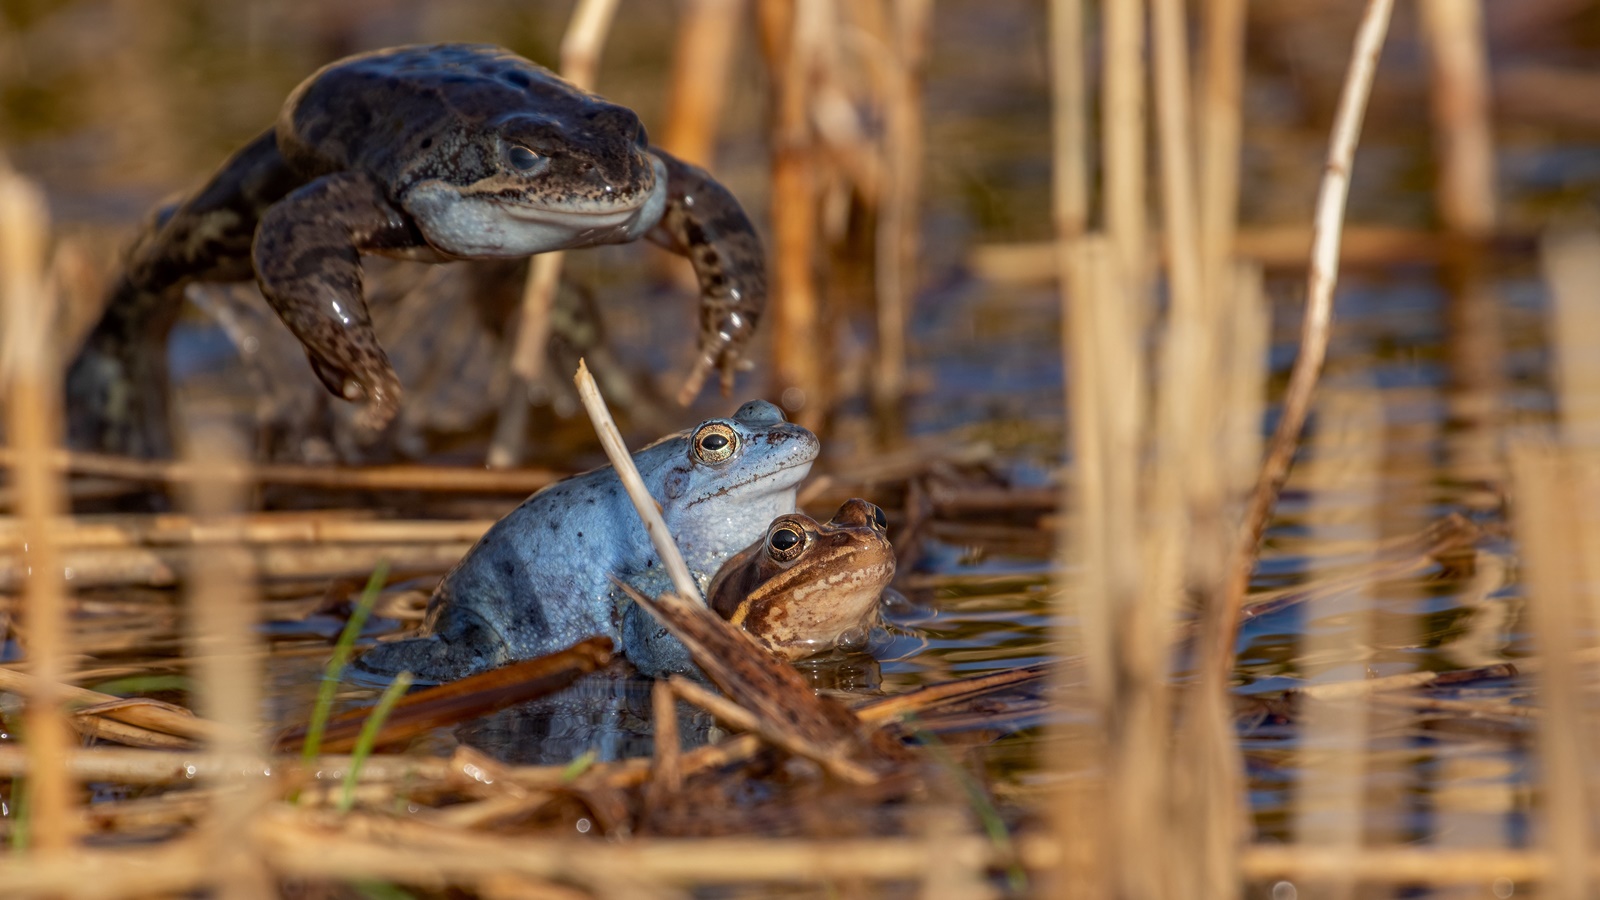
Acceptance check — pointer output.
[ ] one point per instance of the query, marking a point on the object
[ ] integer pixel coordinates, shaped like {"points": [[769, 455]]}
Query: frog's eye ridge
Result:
{"points": [[715, 442], [785, 543], [522, 158]]}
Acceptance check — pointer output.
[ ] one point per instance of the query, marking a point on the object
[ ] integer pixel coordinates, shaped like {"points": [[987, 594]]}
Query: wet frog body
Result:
{"points": [[802, 588], [539, 579], [440, 152]]}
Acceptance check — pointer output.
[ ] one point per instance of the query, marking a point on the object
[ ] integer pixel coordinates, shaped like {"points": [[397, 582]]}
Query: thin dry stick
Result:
{"points": [[580, 60], [649, 510], [1321, 278], [157, 717], [34, 425], [373, 478]]}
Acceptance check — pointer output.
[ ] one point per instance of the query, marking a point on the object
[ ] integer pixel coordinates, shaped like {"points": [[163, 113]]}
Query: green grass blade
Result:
{"points": [[340, 659], [579, 766], [369, 734]]}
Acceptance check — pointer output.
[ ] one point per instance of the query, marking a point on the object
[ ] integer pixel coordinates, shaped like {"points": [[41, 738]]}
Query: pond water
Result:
{"points": [[1394, 447]]}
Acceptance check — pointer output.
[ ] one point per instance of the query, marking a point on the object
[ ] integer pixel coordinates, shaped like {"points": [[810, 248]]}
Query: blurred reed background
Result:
{"points": [[1167, 487]]}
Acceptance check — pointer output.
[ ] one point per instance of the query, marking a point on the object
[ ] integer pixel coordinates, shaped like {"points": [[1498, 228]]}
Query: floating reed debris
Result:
{"points": [[364, 478]]}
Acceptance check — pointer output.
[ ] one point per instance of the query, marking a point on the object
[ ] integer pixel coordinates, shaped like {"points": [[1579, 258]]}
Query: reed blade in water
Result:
{"points": [[369, 736]]}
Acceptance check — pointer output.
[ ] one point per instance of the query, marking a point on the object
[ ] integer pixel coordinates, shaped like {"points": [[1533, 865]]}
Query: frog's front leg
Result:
{"points": [[704, 222], [307, 256]]}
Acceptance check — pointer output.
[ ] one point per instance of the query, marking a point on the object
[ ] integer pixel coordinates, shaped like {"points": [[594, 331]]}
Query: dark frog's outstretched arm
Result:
{"points": [[436, 153]]}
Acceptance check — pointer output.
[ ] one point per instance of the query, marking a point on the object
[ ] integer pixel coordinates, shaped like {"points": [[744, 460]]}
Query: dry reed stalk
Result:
{"points": [[700, 67], [1081, 872], [34, 428], [580, 63], [1189, 506], [791, 33], [666, 774], [1321, 278], [1221, 112], [1125, 648], [1123, 122], [1458, 50], [228, 669], [319, 527], [1571, 262], [162, 566], [1343, 475], [368, 478], [1551, 492], [895, 266]]}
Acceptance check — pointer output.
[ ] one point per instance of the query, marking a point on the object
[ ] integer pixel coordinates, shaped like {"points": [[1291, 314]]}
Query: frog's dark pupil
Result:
{"points": [[878, 516], [713, 442], [785, 539], [523, 158]]}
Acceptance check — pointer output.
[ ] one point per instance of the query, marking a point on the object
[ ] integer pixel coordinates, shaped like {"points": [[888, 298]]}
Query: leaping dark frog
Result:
{"points": [[441, 152]]}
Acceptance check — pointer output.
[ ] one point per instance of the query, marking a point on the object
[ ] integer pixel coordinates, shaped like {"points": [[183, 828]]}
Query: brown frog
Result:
{"points": [[803, 589], [436, 153]]}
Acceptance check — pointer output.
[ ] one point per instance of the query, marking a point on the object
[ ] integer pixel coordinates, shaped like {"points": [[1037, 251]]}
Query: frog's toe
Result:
{"points": [[430, 660]]}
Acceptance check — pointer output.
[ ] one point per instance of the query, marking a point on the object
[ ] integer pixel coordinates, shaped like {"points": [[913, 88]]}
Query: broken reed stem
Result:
{"points": [[228, 662], [700, 67], [580, 61], [1321, 278], [34, 427], [649, 510], [1459, 100], [371, 478]]}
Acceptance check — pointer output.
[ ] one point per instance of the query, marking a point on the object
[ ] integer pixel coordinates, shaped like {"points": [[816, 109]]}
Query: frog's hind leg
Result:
{"points": [[308, 262], [116, 386], [705, 223]]}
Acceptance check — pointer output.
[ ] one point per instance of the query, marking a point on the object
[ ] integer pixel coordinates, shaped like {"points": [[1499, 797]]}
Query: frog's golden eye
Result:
{"points": [[785, 543], [879, 520], [715, 443], [524, 159]]}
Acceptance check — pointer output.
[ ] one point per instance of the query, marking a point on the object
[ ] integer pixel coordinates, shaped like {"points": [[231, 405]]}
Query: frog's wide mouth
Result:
{"points": [[771, 480]]}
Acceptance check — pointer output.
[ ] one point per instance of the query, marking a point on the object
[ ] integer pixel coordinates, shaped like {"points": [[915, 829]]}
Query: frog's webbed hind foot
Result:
{"points": [[307, 256], [704, 222]]}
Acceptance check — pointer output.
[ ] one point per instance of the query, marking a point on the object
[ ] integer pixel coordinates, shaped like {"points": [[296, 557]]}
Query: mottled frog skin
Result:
{"points": [[539, 579], [802, 589], [440, 152]]}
